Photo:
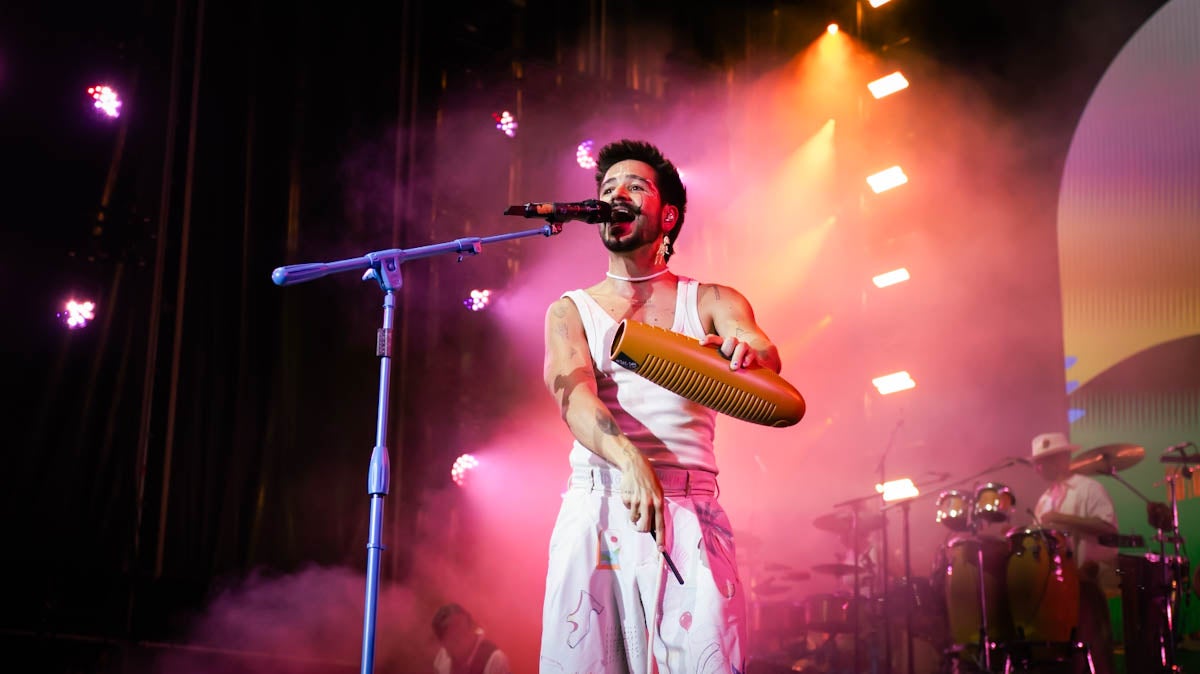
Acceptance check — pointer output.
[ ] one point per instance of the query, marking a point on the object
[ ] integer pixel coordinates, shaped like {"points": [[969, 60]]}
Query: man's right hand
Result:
{"points": [[642, 493]]}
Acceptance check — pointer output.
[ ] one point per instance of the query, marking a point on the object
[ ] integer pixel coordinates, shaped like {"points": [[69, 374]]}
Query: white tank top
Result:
{"points": [[670, 430]]}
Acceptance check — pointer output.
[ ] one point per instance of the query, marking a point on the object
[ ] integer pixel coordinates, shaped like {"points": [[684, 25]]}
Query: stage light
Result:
{"points": [[583, 155], [888, 85], [891, 278], [506, 123], [479, 300], [878, 3], [891, 383], [77, 314], [898, 490], [887, 179], [832, 29], [462, 465], [106, 100]]}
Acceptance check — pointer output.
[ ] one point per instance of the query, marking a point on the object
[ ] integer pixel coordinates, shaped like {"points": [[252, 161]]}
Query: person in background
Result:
{"points": [[1080, 506], [464, 649]]}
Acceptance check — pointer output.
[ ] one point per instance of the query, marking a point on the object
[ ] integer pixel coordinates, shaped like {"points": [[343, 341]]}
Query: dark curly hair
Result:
{"points": [[666, 176], [441, 619]]}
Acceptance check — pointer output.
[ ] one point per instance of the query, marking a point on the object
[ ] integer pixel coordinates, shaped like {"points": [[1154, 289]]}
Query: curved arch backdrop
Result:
{"points": [[1129, 255]]}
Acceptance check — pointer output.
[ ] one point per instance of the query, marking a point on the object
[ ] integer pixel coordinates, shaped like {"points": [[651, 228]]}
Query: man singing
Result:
{"points": [[643, 473]]}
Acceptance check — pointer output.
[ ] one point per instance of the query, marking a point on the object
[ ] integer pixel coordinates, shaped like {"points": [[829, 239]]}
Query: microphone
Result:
{"points": [[1177, 448], [590, 211]]}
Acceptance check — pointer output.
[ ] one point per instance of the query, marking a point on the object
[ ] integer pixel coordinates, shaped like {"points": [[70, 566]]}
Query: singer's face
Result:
{"points": [[629, 185]]}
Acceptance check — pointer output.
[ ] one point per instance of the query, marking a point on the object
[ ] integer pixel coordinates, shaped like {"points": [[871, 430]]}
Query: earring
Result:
{"points": [[660, 257]]}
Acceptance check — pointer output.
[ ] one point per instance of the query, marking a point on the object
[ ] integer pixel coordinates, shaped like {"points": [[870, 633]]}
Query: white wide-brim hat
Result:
{"points": [[1047, 444]]}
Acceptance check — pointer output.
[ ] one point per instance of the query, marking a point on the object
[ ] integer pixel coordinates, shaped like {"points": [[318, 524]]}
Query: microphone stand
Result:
{"points": [[908, 591], [887, 615], [384, 266], [855, 504]]}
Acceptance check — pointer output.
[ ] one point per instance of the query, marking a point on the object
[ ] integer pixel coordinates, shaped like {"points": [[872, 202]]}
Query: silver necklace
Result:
{"points": [[636, 279]]}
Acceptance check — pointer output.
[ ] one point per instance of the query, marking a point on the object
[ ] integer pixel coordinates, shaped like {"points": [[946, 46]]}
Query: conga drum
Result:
{"points": [[1043, 584], [993, 502], [962, 588], [952, 510]]}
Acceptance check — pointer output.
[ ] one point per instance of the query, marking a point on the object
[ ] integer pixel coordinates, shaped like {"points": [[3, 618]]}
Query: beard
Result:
{"points": [[629, 241]]}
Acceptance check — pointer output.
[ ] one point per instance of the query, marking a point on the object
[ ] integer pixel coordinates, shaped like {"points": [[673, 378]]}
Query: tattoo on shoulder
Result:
{"points": [[559, 311], [739, 332], [717, 292]]}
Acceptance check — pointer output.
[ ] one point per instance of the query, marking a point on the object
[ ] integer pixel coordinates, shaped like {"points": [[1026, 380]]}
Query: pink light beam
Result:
{"points": [[77, 314], [106, 100]]}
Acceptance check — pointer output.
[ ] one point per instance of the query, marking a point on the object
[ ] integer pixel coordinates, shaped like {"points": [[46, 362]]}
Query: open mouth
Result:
{"points": [[623, 213]]}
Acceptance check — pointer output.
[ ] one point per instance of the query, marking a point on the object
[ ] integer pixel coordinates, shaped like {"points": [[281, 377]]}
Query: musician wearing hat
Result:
{"points": [[1081, 507]]}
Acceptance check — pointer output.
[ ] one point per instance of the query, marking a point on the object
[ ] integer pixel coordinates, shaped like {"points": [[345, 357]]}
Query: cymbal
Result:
{"points": [[1107, 459], [835, 569], [839, 522]]}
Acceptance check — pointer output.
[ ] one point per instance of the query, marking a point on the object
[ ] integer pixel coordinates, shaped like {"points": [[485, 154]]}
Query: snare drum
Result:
{"points": [[832, 612], [993, 502], [962, 588], [952, 510], [1043, 584]]}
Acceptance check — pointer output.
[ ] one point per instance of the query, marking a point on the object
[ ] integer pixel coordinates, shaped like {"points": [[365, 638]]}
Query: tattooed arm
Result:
{"points": [[730, 316], [570, 376]]}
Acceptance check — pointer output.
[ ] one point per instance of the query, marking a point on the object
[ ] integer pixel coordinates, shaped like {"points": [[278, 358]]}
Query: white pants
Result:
{"points": [[606, 582]]}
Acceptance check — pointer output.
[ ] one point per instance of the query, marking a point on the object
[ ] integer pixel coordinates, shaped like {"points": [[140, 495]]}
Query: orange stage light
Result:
{"points": [[891, 383], [886, 86], [887, 179], [832, 28], [898, 490], [891, 278]]}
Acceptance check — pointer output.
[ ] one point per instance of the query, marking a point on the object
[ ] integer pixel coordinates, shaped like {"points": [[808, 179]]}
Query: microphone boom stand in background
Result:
{"points": [[384, 267]]}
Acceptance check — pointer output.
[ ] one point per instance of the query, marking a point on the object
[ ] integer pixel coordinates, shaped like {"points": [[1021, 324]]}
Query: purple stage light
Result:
{"points": [[77, 314], [506, 123], [462, 464], [479, 300], [583, 155], [106, 100]]}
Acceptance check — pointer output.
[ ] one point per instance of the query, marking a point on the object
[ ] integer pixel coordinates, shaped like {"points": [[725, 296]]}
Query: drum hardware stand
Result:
{"points": [[985, 641], [883, 571], [1171, 571], [905, 506], [384, 266], [855, 505]]}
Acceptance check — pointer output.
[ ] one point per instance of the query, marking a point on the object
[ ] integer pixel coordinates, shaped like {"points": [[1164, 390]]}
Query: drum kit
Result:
{"points": [[1018, 593]]}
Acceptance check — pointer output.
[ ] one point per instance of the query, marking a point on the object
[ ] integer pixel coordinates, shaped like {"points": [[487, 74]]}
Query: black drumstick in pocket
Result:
{"points": [[666, 556]]}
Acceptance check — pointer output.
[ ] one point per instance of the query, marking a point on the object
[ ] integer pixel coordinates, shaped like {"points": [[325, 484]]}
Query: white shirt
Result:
{"points": [[668, 429], [1083, 497]]}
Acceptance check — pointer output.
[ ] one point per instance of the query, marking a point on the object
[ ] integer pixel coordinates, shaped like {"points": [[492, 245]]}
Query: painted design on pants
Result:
{"points": [[718, 541], [608, 551], [581, 625]]}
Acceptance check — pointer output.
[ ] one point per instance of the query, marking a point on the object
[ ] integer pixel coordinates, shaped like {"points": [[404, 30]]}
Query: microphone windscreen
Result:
{"points": [[701, 374]]}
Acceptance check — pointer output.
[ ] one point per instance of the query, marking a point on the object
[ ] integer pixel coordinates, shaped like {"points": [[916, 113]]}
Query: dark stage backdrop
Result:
{"points": [[202, 446]]}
